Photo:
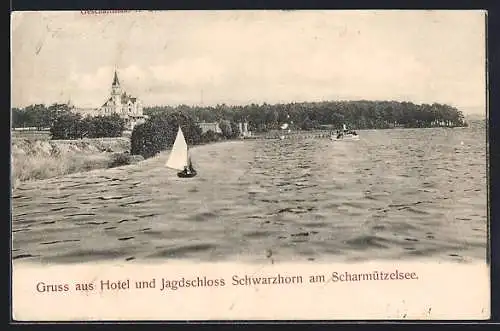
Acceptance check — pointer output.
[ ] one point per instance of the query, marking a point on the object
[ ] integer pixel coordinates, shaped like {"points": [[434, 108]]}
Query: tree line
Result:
{"points": [[65, 124], [38, 116], [314, 115], [159, 130], [306, 115]]}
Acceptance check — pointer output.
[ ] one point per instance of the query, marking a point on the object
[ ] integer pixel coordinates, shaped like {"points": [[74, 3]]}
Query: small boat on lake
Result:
{"points": [[180, 158], [344, 134], [285, 129]]}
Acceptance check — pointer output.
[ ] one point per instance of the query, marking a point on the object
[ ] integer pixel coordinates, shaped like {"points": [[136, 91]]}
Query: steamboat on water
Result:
{"points": [[344, 134]]}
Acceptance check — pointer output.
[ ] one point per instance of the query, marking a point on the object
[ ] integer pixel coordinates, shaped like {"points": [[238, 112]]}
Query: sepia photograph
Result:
{"points": [[260, 138]]}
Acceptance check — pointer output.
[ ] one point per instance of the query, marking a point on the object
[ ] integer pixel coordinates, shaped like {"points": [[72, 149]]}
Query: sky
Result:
{"points": [[242, 57]]}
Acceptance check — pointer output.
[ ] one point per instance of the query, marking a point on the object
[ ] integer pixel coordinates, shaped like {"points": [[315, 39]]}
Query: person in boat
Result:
{"points": [[190, 167], [188, 170]]}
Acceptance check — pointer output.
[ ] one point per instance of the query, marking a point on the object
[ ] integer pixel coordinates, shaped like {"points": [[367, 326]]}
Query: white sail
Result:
{"points": [[344, 127], [284, 126], [178, 158]]}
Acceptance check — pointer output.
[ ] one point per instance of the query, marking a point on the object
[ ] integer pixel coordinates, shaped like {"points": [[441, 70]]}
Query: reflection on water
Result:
{"points": [[395, 194]]}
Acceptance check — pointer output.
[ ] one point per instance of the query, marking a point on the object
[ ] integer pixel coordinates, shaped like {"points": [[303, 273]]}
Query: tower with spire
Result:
{"points": [[123, 104], [116, 89]]}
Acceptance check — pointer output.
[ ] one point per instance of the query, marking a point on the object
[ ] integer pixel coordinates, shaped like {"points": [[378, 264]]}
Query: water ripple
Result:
{"points": [[395, 194]]}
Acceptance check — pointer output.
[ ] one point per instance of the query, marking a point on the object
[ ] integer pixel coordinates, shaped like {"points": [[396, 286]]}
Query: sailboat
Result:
{"points": [[180, 158]]}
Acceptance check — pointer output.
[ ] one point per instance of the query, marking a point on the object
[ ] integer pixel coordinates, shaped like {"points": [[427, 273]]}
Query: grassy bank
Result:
{"points": [[33, 160]]}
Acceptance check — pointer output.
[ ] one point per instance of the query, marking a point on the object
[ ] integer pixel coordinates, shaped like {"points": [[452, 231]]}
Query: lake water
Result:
{"points": [[395, 194]]}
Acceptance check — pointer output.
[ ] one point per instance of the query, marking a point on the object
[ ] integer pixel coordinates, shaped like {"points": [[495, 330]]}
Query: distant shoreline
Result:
{"points": [[20, 132], [37, 163]]}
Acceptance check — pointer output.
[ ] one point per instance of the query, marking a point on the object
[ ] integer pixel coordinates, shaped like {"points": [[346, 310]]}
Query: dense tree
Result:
{"points": [[104, 126], [38, 115], [235, 130], [69, 125], [138, 143], [309, 115], [160, 130]]}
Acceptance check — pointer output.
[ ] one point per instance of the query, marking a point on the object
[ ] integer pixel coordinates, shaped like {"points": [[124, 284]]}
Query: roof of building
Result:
{"points": [[124, 99], [107, 101]]}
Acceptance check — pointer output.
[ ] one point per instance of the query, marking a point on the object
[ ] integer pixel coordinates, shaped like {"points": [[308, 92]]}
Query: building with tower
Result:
{"points": [[126, 106]]}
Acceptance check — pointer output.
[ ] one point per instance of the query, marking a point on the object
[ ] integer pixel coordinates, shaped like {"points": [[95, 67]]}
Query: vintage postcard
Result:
{"points": [[249, 165]]}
